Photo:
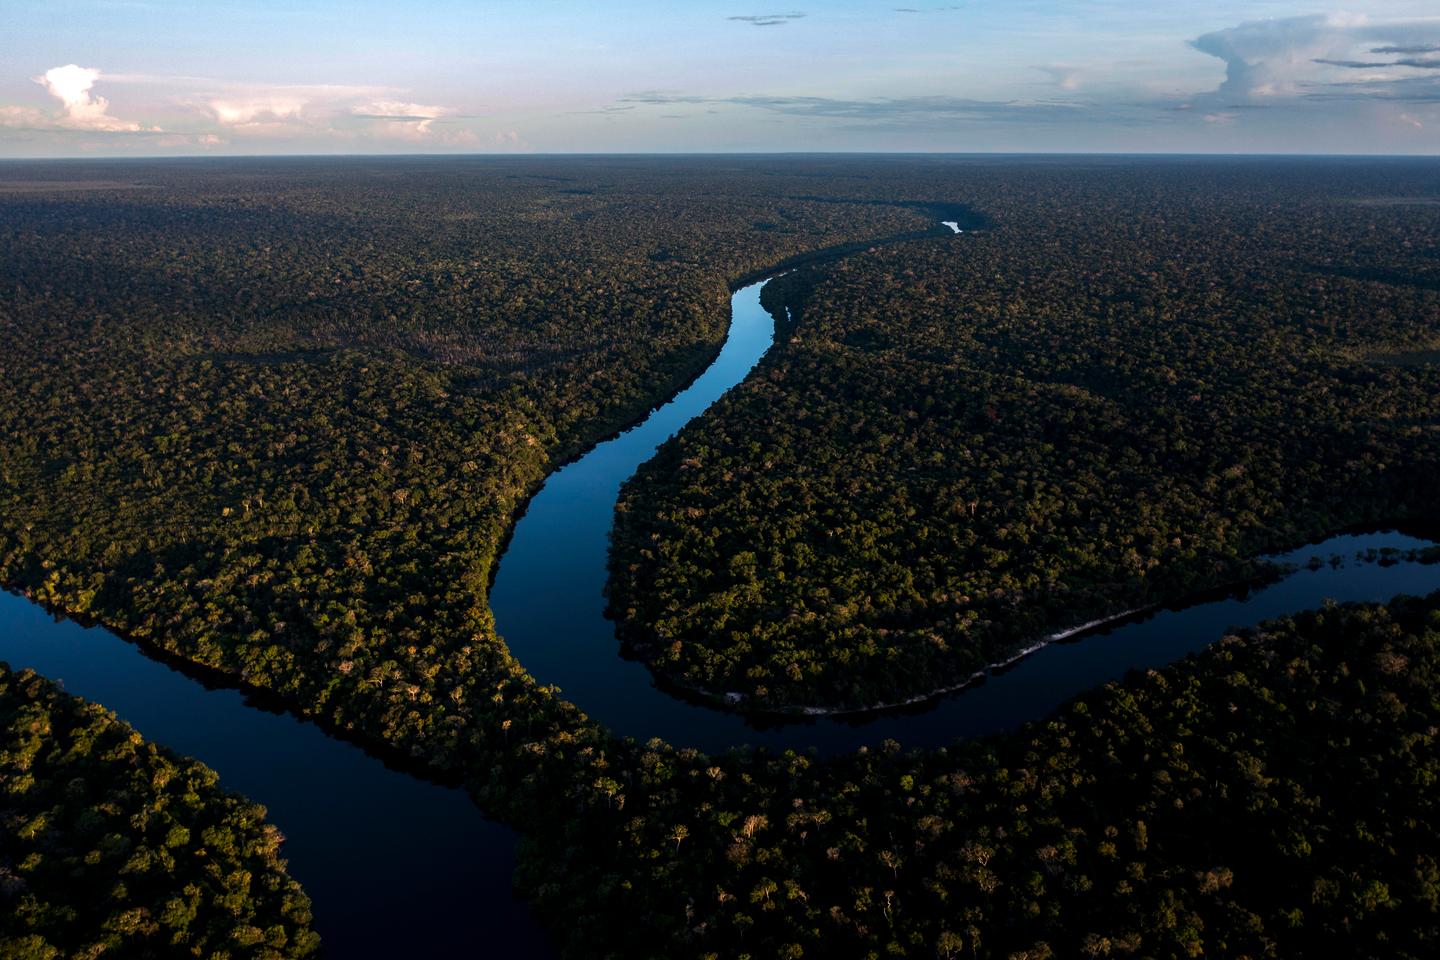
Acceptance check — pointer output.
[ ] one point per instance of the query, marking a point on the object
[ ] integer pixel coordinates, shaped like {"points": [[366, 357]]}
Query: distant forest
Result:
{"points": [[276, 418]]}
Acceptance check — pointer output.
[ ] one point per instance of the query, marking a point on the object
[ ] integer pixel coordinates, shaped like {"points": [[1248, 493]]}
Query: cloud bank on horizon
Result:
{"points": [[313, 76]]}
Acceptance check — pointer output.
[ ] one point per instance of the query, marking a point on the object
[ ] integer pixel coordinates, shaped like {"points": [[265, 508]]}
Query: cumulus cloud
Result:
{"points": [[262, 108], [71, 85], [399, 110], [80, 108], [255, 110], [415, 119], [1319, 75], [431, 123], [209, 112], [336, 112], [1286, 57], [1266, 57]]}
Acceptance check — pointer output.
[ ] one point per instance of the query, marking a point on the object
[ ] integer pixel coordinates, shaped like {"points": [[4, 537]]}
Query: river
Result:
{"points": [[549, 605], [397, 866]]}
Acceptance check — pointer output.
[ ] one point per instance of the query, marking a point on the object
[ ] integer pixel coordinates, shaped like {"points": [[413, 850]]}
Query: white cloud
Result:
{"points": [[262, 108], [398, 118], [329, 110], [400, 110], [81, 109], [265, 105], [72, 85], [1299, 56], [1347, 82]]}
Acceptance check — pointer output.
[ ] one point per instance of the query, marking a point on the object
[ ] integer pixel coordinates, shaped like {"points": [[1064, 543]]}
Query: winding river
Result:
{"points": [[549, 605], [398, 866]]}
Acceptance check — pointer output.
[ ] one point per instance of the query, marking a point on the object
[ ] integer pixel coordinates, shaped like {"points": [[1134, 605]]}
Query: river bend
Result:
{"points": [[549, 604], [398, 866]]}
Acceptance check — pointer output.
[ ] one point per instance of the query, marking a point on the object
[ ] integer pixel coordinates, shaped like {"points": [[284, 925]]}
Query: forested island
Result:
{"points": [[276, 418]]}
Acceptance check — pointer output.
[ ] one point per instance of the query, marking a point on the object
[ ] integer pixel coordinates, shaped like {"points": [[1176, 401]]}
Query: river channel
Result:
{"points": [[398, 866], [549, 605]]}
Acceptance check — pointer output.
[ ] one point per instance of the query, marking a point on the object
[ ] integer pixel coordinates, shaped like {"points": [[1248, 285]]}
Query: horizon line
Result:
{"points": [[506, 155]]}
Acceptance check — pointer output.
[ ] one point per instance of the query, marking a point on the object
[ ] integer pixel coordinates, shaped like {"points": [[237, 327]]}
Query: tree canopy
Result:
{"points": [[112, 846]]}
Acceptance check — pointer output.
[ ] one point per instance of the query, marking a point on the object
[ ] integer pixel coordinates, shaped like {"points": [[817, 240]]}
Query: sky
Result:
{"points": [[159, 77]]}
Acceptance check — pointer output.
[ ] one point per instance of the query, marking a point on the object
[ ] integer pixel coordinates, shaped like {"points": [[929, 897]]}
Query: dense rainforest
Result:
{"points": [[1270, 797], [1119, 395], [275, 418], [112, 846]]}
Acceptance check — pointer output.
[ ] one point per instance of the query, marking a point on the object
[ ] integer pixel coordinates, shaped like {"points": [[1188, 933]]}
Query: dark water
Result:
{"points": [[549, 606], [395, 866]]}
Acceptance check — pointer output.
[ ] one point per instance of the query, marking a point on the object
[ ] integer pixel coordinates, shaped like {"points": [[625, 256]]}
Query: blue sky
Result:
{"points": [[155, 77]]}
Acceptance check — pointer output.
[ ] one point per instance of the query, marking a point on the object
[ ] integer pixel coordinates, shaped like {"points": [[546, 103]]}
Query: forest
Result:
{"points": [[112, 846], [275, 418], [1271, 797], [962, 448]]}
